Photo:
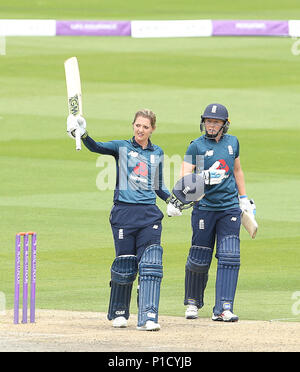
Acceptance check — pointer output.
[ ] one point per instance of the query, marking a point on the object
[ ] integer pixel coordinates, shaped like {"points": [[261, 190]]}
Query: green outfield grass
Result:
{"points": [[154, 9], [48, 187]]}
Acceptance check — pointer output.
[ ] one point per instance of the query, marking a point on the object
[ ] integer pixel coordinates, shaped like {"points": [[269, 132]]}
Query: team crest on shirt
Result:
{"points": [[230, 150]]}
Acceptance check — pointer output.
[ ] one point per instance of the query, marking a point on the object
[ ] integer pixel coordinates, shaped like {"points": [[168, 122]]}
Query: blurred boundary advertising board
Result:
{"points": [[294, 28], [149, 29], [200, 28], [250, 28], [27, 27], [93, 28]]}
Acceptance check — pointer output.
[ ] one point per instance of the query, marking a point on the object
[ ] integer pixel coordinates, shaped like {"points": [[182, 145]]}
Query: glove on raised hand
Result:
{"points": [[74, 123]]}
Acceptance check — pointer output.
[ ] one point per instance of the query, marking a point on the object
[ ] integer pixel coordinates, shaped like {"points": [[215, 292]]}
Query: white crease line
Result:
{"points": [[279, 319]]}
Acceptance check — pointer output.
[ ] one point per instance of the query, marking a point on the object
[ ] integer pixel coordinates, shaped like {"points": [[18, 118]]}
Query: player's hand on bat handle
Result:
{"points": [[247, 205], [78, 139], [253, 206], [82, 124], [75, 123]]}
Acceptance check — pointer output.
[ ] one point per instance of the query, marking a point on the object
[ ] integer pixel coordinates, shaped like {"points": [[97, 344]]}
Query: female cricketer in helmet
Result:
{"points": [[135, 219], [217, 216]]}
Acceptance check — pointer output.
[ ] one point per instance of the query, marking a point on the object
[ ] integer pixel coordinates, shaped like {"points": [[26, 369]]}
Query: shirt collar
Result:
{"points": [[149, 146]]}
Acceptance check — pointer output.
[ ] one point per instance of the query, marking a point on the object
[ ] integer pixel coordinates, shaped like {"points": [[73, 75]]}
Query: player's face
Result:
{"points": [[142, 129], [213, 126]]}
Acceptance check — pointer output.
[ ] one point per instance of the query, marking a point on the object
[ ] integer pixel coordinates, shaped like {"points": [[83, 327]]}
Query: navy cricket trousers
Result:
{"points": [[135, 227], [211, 225]]}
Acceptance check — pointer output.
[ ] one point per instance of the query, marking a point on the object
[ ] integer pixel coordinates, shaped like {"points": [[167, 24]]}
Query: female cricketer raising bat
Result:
{"points": [[135, 219]]}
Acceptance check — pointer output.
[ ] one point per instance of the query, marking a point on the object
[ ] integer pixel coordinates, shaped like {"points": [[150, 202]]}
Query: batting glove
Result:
{"points": [[74, 123], [213, 176], [247, 205], [174, 206]]}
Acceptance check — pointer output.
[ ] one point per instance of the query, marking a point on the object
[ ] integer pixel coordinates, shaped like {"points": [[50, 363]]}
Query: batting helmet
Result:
{"points": [[215, 111], [189, 188]]}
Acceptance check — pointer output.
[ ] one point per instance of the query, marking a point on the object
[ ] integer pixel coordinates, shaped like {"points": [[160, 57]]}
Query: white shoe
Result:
{"points": [[149, 326], [120, 322], [191, 312], [226, 316]]}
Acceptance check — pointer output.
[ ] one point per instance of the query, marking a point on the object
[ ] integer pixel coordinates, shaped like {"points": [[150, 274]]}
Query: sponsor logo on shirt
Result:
{"points": [[141, 169], [223, 165]]}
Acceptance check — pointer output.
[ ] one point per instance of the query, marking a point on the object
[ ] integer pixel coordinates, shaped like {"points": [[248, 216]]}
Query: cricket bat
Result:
{"points": [[74, 92], [249, 223]]}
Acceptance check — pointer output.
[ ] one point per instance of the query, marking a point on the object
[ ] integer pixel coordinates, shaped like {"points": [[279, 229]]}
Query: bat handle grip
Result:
{"points": [[78, 140]]}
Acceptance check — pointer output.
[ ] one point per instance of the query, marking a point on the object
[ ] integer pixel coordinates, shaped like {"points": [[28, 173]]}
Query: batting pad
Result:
{"points": [[151, 273], [196, 274], [228, 254], [123, 274]]}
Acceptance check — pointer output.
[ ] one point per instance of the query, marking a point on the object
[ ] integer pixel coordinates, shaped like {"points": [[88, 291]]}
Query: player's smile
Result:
{"points": [[142, 130]]}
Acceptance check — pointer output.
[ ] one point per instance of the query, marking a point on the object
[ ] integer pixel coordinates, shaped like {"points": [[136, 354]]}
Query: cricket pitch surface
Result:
{"points": [[72, 331]]}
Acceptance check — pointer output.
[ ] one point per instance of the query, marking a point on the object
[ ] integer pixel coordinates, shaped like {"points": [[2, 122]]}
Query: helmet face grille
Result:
{"points": [[215, 111]]}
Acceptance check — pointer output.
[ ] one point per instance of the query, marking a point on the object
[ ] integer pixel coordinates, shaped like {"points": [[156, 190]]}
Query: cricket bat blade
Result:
{"points": [[74, 92], [249, 223]]}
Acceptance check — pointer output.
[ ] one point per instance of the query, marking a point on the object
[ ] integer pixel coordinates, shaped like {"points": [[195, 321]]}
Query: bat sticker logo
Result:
{"points": [[74, 105]]}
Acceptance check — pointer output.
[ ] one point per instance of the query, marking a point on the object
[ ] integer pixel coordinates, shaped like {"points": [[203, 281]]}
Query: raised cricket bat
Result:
{"points": [[74, 92]]}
